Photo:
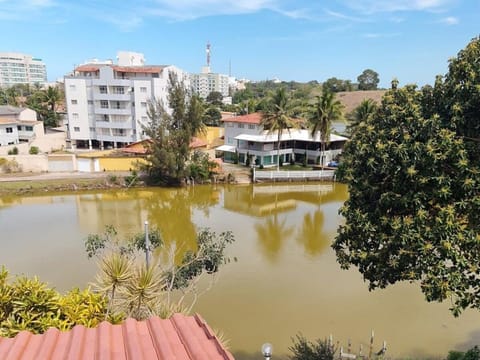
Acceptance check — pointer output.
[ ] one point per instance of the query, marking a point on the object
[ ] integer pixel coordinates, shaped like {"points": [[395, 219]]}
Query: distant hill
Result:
{"points": [[351, 99]]}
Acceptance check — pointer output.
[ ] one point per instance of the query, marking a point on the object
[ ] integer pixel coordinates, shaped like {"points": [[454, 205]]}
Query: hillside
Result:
{"points": [[352, 99]]}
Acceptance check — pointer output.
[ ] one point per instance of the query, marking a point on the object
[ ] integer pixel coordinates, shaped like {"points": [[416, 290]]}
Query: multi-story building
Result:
{"points": [[107, 103], [16, 68], [206, 82], [245, 137]]}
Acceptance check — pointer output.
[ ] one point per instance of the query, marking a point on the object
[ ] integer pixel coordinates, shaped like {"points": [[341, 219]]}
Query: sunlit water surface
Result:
{"points": [[285, 280]]}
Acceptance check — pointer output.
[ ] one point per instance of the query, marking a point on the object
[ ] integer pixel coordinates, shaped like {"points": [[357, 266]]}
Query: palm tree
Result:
{"points": [[362, 113], [278, 116], [321, 115]]}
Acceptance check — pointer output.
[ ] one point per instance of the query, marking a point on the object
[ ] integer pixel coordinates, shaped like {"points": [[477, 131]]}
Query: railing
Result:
{"points": [[293, 175]]}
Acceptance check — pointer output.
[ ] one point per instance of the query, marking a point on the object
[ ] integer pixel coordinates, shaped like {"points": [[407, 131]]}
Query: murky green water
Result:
{"points": [[286, 279]]}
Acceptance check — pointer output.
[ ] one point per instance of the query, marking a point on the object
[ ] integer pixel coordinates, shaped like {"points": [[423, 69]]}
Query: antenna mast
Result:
{"points": [[208, 54]]}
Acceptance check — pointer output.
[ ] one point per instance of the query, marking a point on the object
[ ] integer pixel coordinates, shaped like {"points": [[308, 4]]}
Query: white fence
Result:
{"points": [[293, 175]]}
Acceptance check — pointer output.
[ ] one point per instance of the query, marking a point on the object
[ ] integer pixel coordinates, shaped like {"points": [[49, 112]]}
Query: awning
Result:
{"points": [[227, 148]]}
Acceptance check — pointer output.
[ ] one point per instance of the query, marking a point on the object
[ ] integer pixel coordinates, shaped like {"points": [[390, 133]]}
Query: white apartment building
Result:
{"points": [[16, 68], [206, 82], [107, 103]]}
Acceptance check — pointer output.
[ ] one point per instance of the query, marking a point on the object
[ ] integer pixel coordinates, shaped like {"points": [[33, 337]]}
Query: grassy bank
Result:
{"points": [[21, 187]]}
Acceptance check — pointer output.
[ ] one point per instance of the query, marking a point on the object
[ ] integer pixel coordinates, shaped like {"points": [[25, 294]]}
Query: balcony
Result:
{"points": [[112, 111], [118, 138], [97, 96], [114, 124]]}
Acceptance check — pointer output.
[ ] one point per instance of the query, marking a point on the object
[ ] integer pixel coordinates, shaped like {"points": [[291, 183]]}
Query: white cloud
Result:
{"points": [[339, 15], [191, 9], [375, 6], [450, 20]]}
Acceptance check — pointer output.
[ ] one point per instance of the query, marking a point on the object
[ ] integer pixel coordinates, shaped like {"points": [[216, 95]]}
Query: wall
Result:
{"points": [[119, 164]]}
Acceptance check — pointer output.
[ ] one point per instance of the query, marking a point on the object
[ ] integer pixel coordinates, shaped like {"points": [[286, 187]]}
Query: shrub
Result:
{"points": [[34, 150], [302, 349], [29, 304], [13, 151], [472, 354], [10, 166]]}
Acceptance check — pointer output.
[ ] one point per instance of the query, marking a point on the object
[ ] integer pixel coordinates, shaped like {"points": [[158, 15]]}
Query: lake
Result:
{"points": [[286, 279]]}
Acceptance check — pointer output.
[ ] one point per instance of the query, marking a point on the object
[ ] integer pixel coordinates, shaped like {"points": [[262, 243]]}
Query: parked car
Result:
{"points": [[333, 164]]}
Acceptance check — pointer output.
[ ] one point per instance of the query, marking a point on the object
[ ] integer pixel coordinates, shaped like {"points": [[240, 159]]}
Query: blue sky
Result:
{"points": [[300, 40]]}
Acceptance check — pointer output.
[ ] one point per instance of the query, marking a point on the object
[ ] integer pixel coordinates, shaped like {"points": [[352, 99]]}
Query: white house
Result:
{"points": [[107, 103], [245, 136], [18, 125]]}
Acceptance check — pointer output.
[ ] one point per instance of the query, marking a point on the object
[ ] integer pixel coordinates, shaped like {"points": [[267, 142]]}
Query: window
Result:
{"points": [[75, 116], [103, 89], [90, 102], [119, 90], [28, 128], [241, 126], [251, 127], [144, 105], [72, 87], [104, 104], [143, 89], [76, 129], [9, 130], [92, 129], [74, 102], [19, 128], [230, 124]]}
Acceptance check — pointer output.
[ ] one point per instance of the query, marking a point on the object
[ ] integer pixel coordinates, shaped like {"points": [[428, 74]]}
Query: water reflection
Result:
{"points": [[286, 279], [311, 235]]}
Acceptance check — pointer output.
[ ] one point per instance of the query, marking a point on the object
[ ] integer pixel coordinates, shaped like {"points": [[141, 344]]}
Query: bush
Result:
{"points": [[34, 150], [9, 166], [29, 304], [472, 354], [302, 349], [13, 151]]}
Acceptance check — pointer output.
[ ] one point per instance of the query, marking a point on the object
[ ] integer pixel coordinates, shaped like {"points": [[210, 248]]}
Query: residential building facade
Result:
{"points": [[245, 137], [206, 82], [18, 125], [107, 103], [17, 68]]}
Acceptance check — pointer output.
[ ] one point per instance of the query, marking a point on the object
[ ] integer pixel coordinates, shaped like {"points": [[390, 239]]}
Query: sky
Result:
{"points": [[300, 40]]}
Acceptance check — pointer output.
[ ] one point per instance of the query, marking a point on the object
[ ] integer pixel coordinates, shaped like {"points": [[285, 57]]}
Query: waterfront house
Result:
{"points": [[245, 137], [18, 125]]}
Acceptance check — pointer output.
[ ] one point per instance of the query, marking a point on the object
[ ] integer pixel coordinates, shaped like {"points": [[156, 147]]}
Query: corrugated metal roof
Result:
{"points": [[178, 338]]}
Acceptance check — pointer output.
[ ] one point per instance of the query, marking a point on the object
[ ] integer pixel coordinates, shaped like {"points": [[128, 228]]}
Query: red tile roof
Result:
{"points": [[253, 118], [126, 69], [178, 338], [197, 143]]}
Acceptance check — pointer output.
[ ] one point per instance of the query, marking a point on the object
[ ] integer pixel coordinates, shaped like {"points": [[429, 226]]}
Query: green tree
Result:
{"points": [[336, 85], [140, 291], [322, 113], [368, 80], [212, 116], [171, 134], [408, 217], [278, 116], [362, 113], [215, 98]]}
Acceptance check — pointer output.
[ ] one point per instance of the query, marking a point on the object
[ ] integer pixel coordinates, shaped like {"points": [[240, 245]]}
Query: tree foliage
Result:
{"points": [[171, 132], [279, 116], [368, 80], [29, 304], [322, 113], [136, 290], [414, 183], [336, 85], [362, 113]]}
